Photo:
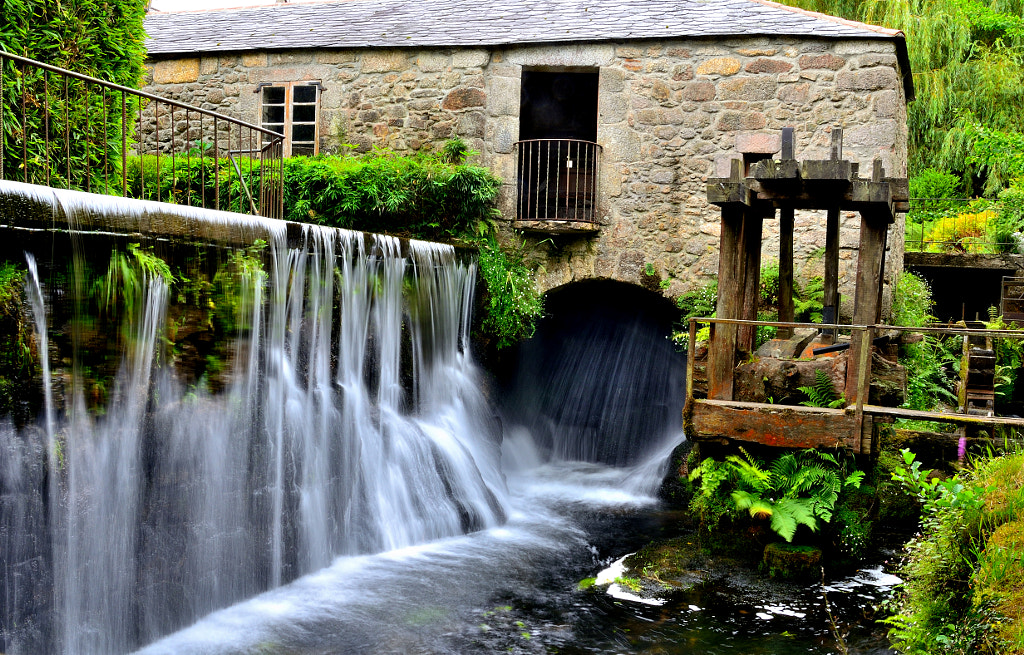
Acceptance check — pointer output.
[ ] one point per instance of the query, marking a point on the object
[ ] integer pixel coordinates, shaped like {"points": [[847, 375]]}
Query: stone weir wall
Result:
{"points": [[670, 114]]}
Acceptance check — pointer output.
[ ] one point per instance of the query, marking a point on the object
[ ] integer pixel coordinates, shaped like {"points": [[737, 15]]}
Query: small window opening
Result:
{"points": [[292, 110]]}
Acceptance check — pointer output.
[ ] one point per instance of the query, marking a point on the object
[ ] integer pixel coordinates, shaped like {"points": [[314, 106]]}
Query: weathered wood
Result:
{"points": [[732, 190], [827, 170], [776, 171], [873, 228], [753, 224], [881, 280], [854, 195], [786, 311], [957, 419], [784, 426], [788, 145], [830, 310], [691, 357], [722, 355]]}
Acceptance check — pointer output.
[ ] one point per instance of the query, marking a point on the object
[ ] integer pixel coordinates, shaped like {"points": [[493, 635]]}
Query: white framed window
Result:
{"points": [[292, 109]]}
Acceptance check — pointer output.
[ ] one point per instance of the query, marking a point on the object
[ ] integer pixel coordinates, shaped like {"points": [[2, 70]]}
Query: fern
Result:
{"points": [[822, 394], [799, 488]]}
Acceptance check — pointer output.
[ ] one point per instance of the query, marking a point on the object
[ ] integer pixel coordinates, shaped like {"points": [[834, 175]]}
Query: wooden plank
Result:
{"points": [[753, 224], [722, 349], [783, 426], [827, 170], [786, 311], [810, 194], [958, 419]]}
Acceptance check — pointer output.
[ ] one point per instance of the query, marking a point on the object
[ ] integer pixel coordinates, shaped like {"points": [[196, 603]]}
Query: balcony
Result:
{"points": [[558, 185]]}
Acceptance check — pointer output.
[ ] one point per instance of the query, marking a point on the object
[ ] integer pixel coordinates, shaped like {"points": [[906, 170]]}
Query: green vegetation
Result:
{"points": [[823, 393], [933, 362], [101, 38], [966, 56], [435, 196], [513, 303], [797, 488], [17, 363], [962, 590]]}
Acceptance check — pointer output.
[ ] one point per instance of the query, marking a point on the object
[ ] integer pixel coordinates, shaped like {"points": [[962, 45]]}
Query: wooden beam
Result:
{"points": [[873, 228], [732, 190], [784, 426], [722, 349], [786, 311], [753, 224], [958, 419]]}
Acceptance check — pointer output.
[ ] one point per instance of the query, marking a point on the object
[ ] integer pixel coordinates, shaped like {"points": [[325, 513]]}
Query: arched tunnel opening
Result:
{"points": [[600, 380]]}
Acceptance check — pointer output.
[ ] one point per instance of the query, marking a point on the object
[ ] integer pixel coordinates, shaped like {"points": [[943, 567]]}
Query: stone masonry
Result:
{"points": [[671, 114]]}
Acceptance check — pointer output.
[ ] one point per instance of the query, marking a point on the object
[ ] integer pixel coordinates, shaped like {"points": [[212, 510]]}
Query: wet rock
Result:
{"points": [[792, 562]]}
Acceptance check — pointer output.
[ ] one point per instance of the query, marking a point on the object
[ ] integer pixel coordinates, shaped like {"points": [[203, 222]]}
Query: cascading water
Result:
{"points": [[353, 423]]}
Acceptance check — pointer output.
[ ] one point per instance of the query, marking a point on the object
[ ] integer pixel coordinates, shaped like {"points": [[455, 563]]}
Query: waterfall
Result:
{"points": [[353, 422]]}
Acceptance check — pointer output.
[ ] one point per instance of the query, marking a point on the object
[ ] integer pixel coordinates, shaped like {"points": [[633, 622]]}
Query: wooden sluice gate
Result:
{"points": [[729, 411]]}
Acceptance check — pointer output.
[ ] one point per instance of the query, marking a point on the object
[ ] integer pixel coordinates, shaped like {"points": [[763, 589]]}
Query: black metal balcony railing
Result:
{"points": [[558, 180], [63, 129]]}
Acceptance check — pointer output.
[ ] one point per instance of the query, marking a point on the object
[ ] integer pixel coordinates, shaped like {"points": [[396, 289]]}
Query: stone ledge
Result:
{"points": [[558, 227]]}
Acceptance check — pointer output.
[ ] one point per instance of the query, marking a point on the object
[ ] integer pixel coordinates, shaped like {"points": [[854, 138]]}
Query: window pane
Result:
{"points": [[303, 133], [273, 113], [273, 95], [304, 93], [278, 127], [304, 113], [301, 149]]}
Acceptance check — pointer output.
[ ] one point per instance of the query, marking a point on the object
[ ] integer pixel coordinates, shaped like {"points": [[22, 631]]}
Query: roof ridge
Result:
{"points": [[835, 19]]}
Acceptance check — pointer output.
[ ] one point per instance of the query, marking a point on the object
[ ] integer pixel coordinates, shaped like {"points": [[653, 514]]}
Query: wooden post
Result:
{"points": [[830, 311], [753, 224], [873, 228], [786, 310], [877, 173], [722, 349]]}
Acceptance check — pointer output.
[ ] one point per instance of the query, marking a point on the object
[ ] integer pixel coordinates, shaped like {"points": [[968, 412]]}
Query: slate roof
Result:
{"points": [[465, 23]]}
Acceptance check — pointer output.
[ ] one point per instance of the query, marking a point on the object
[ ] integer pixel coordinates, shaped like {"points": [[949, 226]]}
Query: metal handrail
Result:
{"points": [[102, 148], [559, 180]]}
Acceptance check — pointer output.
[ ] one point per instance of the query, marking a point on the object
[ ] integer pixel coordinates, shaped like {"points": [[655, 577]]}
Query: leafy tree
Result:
{"points": [[966, 57]]}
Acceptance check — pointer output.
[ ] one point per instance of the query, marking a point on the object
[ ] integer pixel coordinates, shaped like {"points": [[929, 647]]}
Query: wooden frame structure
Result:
{"points": [[747, 199]]}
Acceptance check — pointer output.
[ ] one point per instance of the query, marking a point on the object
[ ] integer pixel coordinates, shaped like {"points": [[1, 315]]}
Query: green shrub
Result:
{"points": [[513, 303], [959, 584]]}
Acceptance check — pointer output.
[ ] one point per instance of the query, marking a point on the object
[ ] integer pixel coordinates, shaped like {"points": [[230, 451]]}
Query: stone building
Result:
{"points": [[669, 91]]}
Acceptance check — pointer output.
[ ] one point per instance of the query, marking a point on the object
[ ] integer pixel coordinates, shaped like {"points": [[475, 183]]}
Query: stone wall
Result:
{"points": [[671, 114]]}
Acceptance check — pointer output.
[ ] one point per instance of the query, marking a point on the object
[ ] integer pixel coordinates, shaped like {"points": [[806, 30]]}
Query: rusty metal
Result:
{"points": [[25, 88], [558, 180]]}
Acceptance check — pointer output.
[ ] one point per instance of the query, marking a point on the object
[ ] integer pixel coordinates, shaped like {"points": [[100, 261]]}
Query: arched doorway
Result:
{"points": [[601, 380]]}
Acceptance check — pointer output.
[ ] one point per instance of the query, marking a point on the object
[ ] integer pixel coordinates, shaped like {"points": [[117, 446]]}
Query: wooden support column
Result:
{"points": [[722, 349], [750, 277], [830, 311], [786, 311], [877, 173], [873, 227], [830, 302]]}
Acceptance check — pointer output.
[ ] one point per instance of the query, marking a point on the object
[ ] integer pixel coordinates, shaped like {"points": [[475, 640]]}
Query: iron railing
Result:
{"points": [[63, 129], [558, 179]]}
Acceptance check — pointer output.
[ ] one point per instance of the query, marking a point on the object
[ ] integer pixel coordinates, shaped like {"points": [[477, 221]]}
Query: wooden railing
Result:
{"points": [[559, 180], [856, 392], [63, 129]]}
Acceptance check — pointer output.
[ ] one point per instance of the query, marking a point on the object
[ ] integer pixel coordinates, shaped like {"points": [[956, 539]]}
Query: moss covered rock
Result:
{"points": [[792, 562]]}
